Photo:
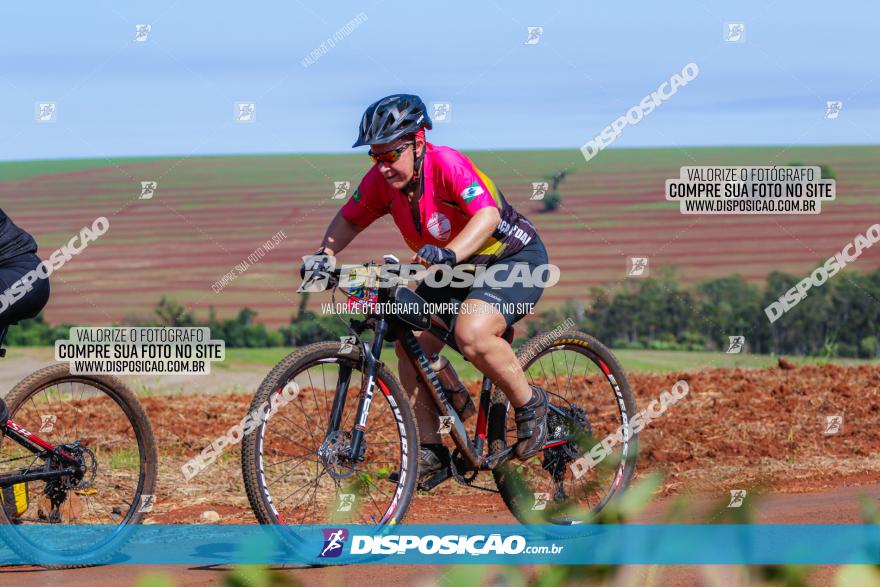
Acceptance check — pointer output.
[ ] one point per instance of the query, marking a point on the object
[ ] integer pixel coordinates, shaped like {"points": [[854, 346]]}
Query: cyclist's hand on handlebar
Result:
{"points": [[432, 255]]}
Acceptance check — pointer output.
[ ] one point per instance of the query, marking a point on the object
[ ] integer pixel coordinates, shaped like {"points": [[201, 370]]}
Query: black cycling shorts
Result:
{"points": [[14, 307], [512, 301]]}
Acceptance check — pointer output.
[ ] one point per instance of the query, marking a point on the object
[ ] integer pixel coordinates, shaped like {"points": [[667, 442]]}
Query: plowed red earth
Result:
{"points": [[736, 429], [762, 430]]}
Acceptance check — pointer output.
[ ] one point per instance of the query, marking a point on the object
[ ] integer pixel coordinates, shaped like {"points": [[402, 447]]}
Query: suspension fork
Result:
{"points": [[371, 366]]}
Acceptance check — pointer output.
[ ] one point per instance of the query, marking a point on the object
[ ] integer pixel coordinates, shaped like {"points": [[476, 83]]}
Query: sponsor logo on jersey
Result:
{"points": [[439, 226]]}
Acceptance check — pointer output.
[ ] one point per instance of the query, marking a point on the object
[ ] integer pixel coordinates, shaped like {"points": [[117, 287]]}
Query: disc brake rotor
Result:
{"points": [[335, 454]]}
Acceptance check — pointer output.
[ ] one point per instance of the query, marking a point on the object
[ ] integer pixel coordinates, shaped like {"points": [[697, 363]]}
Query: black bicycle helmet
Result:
{"points": [[392, 117]]}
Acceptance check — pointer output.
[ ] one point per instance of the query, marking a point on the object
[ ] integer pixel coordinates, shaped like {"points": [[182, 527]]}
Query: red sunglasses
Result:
{"points": [[389, 156]]}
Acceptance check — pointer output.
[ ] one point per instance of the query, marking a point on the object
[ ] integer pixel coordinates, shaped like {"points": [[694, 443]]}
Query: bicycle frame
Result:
{"points": [[474, 450]]}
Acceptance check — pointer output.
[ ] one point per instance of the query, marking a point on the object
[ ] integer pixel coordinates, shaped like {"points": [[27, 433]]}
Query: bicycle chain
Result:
{"points": [[461, 479]]}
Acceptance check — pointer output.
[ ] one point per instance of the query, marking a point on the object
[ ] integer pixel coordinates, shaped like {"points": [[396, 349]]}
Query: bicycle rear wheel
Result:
{"points": [[98, 420], [585, 381]]}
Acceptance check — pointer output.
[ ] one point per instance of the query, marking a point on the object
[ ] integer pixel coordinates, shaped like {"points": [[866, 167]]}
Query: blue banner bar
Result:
{"points": [[679, 544]]}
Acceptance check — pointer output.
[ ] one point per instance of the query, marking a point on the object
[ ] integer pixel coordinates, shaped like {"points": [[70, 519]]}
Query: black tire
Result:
{"points": [[113, 388], [508, 478], [296, 412]]}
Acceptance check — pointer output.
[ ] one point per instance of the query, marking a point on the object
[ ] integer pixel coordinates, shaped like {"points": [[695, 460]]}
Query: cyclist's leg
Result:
{"points": [[480, 324], [488, 311], [478, 333], [420, 397]]}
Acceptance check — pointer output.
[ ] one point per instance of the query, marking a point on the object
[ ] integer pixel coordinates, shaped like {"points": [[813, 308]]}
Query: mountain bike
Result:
{"points": [[345, 449], [75, 449]]}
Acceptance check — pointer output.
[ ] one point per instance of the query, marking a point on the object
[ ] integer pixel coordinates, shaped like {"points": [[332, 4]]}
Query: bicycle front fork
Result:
{"points": [[371, 364]]}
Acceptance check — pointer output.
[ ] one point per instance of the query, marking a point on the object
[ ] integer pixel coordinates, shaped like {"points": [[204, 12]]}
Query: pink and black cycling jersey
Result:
{"points": [[454, 190]]}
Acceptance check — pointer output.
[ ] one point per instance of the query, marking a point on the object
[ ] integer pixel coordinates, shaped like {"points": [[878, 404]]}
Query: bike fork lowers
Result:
{"points": [[371, 366]]}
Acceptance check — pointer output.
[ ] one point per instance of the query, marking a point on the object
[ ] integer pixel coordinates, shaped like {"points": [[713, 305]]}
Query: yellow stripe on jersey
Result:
{"points": [[491, 185], [493, 247]]}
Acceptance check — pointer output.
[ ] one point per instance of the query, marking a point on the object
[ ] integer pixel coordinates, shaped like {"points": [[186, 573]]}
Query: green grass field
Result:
{"points": [[632, 360]]}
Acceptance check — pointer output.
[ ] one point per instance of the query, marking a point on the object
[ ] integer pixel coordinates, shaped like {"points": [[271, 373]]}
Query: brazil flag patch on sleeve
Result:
{"points": [[471, 192]]}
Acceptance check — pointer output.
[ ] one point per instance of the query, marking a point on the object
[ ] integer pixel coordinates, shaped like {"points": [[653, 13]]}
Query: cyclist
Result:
{"points": [[448, 212], [19, 299]]}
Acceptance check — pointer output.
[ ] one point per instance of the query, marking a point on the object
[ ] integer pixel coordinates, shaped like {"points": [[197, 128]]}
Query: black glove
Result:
{"points": [[319, 260], [437, 256]]}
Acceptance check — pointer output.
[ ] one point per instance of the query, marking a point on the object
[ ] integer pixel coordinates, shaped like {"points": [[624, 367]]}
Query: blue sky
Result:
{"points": [[175, 93]]}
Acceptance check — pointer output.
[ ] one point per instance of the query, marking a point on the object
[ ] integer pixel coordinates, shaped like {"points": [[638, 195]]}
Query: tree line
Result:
{"points": [[838, 319]]}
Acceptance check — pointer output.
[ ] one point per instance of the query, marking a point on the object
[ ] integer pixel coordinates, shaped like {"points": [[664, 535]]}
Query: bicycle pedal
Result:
{"points": [[496, 459], [435, 479], [430, 483]]}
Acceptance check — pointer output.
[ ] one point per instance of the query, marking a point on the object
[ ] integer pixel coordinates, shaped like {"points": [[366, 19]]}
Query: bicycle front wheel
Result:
{"points": [[298, 468]]}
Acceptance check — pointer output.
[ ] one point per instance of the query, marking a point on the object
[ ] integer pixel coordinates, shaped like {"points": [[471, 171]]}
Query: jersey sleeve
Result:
{"points": [[366, 203], [472, 189]]}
